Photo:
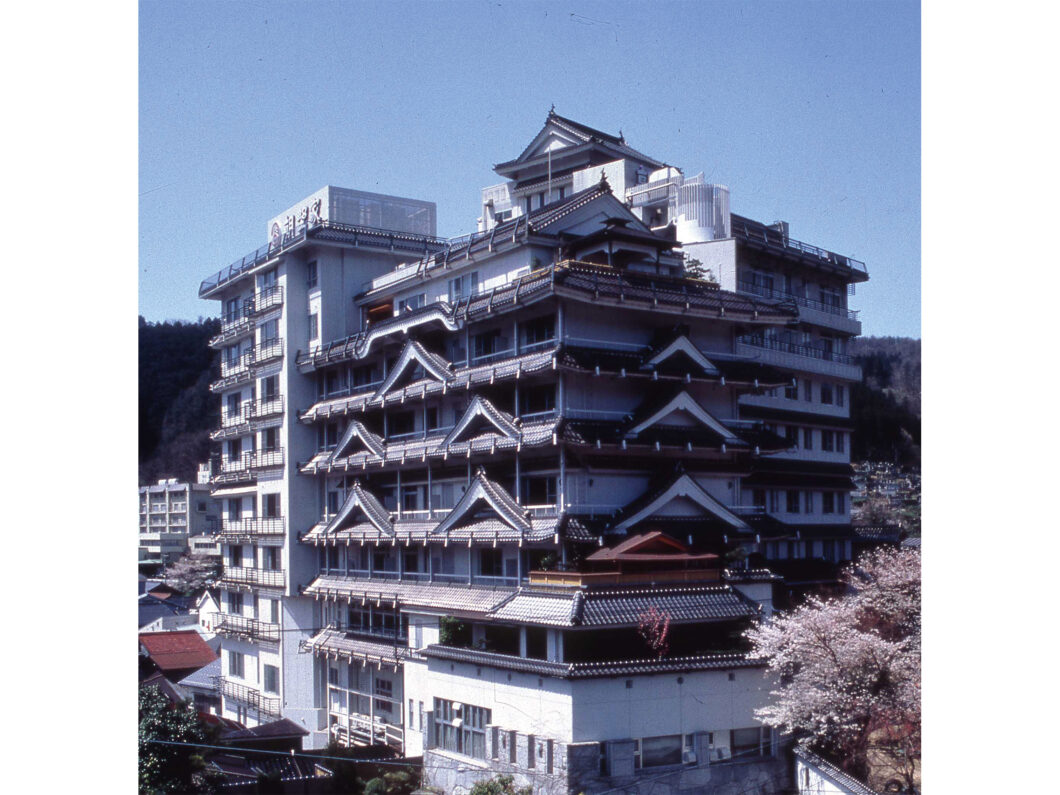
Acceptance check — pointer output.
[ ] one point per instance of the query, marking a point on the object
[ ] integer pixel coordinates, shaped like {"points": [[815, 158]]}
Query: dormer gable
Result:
{"points": [[360, 502], [485, 493], [683, 411], [354, 439], [482, 414], [411, 356], [682, 497], [680, 352]]}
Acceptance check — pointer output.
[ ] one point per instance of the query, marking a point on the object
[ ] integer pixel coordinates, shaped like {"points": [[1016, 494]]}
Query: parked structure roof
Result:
{"points": [[174, 651]]}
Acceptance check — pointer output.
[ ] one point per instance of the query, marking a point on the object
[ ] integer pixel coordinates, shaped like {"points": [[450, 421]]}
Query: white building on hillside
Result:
{"points": [[172, 512], [495, 500]]}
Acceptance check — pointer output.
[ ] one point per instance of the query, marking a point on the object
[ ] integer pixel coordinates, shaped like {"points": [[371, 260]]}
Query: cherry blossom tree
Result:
{"points": [[849, 670], [654, 627]]}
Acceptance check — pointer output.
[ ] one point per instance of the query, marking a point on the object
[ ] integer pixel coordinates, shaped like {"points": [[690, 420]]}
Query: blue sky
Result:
{"points": [[808, 111]]}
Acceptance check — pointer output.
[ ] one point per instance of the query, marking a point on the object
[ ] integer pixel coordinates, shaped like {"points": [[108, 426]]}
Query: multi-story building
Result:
{"points": [[518, 483], [172, 513]]}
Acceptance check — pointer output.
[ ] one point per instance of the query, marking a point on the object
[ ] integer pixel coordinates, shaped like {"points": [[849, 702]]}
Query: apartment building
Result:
{"points": [[173, 513], [493, 500]]}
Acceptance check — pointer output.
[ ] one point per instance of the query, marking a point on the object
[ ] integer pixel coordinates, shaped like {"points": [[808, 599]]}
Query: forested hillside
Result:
{"points": [[885, 407], [177, 409]]}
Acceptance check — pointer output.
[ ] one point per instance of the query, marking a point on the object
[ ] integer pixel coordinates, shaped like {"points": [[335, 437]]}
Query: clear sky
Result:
{"points": [[808, 111]]}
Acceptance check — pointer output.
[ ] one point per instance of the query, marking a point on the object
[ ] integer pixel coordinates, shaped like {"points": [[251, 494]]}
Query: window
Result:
{"points": [[461, 727], [827, 502], [270, 439], [793, 501], [314, 327], [537, 399], [274, 611], [270, 331], [328, 436], [384, 689], [234, 510], [235, 557], [791, 433], [840, 442], [333, 503], [826, 393], [758, 498], [270, 506], [235, 664], [774, 501], [539, 490], [235, 603], [463, 286], [808, 502], [840, 502], [410, 302], [539, 330], [401, 422], [233, 406], [431, 417], [839, 395], [270, 558], [487, 343], [750, 742], [807, 438], [270, 387], [791, 392], [491, 562], [271, 678], [200, 506], [311, 274], [657, 751], [807, 389], [828, 441]]}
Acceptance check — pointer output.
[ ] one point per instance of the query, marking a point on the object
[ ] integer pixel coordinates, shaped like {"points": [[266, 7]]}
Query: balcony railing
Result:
{"points": [[253, 526], [820, 306], [266, 459], [798, 350], [265, 578], [268, 350], [232, 327], [266, 705], [267, 299], [265, 407], [251, 628]]}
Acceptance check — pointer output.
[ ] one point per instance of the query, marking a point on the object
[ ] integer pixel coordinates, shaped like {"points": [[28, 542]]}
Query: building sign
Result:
{"points": [[307, 213]]}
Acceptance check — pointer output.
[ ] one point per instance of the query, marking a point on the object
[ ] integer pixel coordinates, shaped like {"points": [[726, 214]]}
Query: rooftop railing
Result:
{"points": [[775, 239]]}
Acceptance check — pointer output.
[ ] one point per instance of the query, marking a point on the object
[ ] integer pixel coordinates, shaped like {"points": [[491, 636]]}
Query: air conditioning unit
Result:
{"points": [[688, 757]]}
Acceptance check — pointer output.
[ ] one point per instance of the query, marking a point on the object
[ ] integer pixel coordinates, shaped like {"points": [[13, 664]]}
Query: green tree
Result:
{"points": [[169, 768], [501, 785]]}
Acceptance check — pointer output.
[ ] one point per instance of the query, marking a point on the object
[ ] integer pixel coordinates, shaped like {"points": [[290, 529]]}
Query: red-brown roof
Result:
{"points": [[174, 651], [652, 546]]}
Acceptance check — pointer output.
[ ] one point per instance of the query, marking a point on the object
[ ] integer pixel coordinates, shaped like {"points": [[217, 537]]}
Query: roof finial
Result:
{"points": [[552, 110], [604, 184], [621, 137]]}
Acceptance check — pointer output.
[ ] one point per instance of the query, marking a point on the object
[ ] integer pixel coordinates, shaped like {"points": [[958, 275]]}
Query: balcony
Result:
{"points": [[806, 358], [262, 578], [268, 350], [249, 628], [266, 705], [253, 526], [266, 459], [235, 365], [772, 239], [265, 408], [266, 299], [233, 326], [817, 312]]}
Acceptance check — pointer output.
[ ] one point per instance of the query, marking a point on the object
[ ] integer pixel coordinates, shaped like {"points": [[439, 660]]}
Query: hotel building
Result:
{"points": [[506, 500]]}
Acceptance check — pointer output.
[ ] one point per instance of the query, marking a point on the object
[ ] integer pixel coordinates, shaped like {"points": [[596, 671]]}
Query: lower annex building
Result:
{"points": [[509, 500]]}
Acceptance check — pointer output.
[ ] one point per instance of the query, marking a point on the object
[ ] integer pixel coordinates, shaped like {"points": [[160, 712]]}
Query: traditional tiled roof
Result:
{"points": [[480, 530], [502, 421], [844, 781], [174, 651], [455, 599], [485, 490], [360, 498], [556, 609], [332, 642], [272, 730], [461, 378], [735, 371], [749, 575], [683, 402], [414, 353], [681, 486], [356, 430], [625, 606]]}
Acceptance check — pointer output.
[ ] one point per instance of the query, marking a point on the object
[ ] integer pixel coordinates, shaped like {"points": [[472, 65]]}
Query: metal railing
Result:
{"points": [[266, 459], [809, 303], [252, 628], [775, 239], [264, 407], [267, 705], [253, 526], [798, 350], [268, 350], [236, 365], [266, 299], [233, 326], [266, 578]]}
